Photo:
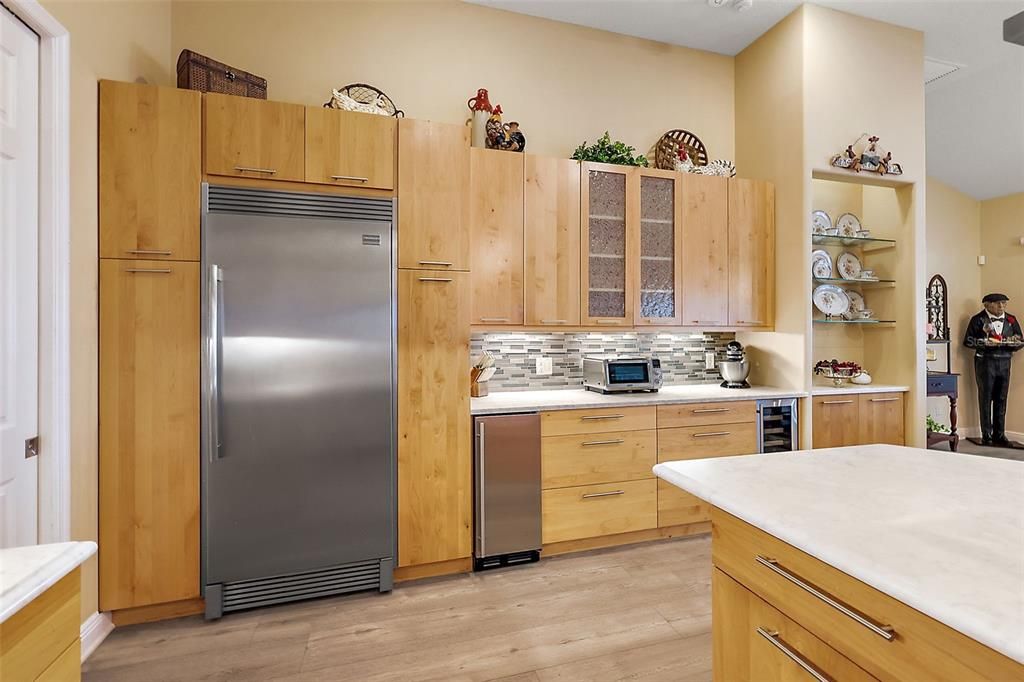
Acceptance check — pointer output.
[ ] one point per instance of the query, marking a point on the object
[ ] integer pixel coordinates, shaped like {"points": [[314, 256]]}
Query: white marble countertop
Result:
{"points": [[27, 572], [829, 389], [577, 398], [939, 531]]}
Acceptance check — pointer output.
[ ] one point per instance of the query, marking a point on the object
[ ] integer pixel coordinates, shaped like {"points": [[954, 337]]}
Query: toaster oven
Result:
{"points": [[620, 374]]}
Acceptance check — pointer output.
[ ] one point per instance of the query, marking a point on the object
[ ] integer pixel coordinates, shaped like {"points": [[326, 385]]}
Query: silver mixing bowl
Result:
{"points": [[734, 371]]}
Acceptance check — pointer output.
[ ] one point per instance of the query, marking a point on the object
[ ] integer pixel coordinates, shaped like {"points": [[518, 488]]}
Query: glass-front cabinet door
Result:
{"points": [[659, 272], [607, 267]]}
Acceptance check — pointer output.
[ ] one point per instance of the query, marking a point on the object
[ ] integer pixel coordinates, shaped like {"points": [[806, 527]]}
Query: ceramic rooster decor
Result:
{"points": [[480, 110], [719, 167], [866, 154], [504, 136]]}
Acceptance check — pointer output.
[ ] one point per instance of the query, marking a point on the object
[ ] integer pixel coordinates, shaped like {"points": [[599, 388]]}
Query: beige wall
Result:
{"points": [[1002, 227], [563, 83], [769, 145], [124, 41], [953, 246]]}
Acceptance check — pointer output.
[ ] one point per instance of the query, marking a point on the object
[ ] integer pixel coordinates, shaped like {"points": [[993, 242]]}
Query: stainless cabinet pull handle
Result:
{"points": [[249, 169], [711, 409], [442, 263], [886, 632], [617, 441], [154, 271], [706, 322], [883, 400], [602, 416], [610, 321], [349, 177], [149, 252], [494, 319], [773, 637], [435, 279], [836, 402], [709, 435], [554, 321], [749, 321], [607, 494]]}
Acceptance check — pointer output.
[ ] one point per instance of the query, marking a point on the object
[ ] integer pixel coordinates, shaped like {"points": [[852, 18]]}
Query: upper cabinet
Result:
{"points": [[704, 251], [607, 264], [751, 253], [254, 138], [433, 207], [551, 241], [496, 226], [149, 171], [657, 300], [350, 148]]}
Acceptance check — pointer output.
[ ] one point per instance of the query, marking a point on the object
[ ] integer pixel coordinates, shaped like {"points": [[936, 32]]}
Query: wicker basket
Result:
{"points": [[667, 150], [199, 72], [367, 94]]}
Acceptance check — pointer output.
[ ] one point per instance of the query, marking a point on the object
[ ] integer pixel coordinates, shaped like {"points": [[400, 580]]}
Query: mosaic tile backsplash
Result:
{"points": [[515, 355]]}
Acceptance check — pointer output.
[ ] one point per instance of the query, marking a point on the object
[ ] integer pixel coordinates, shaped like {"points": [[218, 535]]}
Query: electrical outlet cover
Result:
{"points": [[544, 367]]}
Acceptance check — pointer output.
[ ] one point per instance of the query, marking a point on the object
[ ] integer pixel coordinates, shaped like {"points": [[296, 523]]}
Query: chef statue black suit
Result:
{"points": [[992, 364]]}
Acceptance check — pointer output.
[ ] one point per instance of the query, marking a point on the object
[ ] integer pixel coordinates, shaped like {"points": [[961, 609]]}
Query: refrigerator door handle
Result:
{"points": [[480, 466], [213, 360]]}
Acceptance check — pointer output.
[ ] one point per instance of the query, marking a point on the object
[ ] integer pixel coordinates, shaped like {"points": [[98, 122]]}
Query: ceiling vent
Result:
{"points": [[934, 69]]}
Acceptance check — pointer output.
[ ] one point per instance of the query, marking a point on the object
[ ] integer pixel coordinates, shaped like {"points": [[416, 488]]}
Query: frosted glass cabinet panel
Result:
{"points": [[607, 264], [659, 271]]}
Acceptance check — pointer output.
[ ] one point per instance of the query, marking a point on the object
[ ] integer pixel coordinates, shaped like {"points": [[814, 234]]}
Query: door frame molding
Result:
{"points": [[54, 494]]}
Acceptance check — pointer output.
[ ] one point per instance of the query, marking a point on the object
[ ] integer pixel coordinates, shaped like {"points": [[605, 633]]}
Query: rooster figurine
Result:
{"points": [[718, 167], [497, 137]]}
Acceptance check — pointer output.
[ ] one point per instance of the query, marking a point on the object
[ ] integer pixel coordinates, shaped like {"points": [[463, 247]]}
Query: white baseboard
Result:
{"points": [[94, 630]]}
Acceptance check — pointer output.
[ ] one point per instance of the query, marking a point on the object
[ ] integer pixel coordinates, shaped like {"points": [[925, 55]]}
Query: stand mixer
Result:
{"points": [[735, 368]]}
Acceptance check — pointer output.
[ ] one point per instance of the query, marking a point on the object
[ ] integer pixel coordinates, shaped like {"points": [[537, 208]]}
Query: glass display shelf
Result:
{"points": [[866, 243], [871, 322], [861, 282]]}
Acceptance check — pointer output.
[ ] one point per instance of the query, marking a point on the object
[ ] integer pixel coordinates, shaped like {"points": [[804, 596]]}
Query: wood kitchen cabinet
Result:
{"points": [[610, 214], [149, 432], [551, 225], [496, 231], [433, 205], [660, 275], [150, 170], [704, 251], [836, 421], [254, 138], [435, 467], [881, 418], [350, 148], [751, 253]]}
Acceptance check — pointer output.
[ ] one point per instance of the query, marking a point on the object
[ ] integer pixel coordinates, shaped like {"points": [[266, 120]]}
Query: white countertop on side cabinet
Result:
{"points": [[578, 398], [851, 388], [27, 572], [939, 531]]}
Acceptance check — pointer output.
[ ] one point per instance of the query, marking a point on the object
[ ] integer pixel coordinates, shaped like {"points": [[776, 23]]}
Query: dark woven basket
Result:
{"points": [[367, 94], [667, 150], [199, 72]]}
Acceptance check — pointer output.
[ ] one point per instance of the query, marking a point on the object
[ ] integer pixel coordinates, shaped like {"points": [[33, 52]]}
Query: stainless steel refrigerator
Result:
{"points": [[298, 407]]}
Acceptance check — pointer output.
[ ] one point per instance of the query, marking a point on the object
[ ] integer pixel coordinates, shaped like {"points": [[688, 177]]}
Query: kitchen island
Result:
{"points": [[868, 562]]}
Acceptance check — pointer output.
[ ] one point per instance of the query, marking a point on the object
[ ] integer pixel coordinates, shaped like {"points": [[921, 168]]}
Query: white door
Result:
{"points": [[19, 285]]}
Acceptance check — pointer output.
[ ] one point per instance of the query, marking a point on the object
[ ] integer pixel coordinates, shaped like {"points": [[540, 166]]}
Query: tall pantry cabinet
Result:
{"points": [[435, 470], [149, 182]]}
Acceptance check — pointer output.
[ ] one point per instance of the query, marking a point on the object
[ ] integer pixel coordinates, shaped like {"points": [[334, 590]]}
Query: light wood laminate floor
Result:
{"points": [[641, 612]]}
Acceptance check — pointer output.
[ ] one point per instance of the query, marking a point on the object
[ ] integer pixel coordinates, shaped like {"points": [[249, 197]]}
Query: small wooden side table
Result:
{"points": [[945, 383]]}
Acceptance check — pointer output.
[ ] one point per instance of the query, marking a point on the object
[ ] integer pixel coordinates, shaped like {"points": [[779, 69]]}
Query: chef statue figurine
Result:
{"points": [[995, 335]]}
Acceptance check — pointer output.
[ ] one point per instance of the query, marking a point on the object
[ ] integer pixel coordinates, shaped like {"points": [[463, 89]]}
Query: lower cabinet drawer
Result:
{"points": [[754, 642], [882, 635], [704, 414], [598, 458], [37, 635], [598, 420], [677, 507], [592, 510], [697, 442]]}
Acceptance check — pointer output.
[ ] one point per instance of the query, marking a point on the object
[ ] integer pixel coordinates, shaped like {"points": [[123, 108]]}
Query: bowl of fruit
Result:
{"points": [[837, 371]]}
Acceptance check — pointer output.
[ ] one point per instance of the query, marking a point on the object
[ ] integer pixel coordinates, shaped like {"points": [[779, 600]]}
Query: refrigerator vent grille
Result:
{"points": [[248, 594], [274, 202]]}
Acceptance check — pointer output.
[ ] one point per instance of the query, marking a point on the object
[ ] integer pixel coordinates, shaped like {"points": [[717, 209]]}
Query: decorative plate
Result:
{"points": [[848, 265], [848, 225], [820, 222], [821, 264], [831, 300], [856, 301]]}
